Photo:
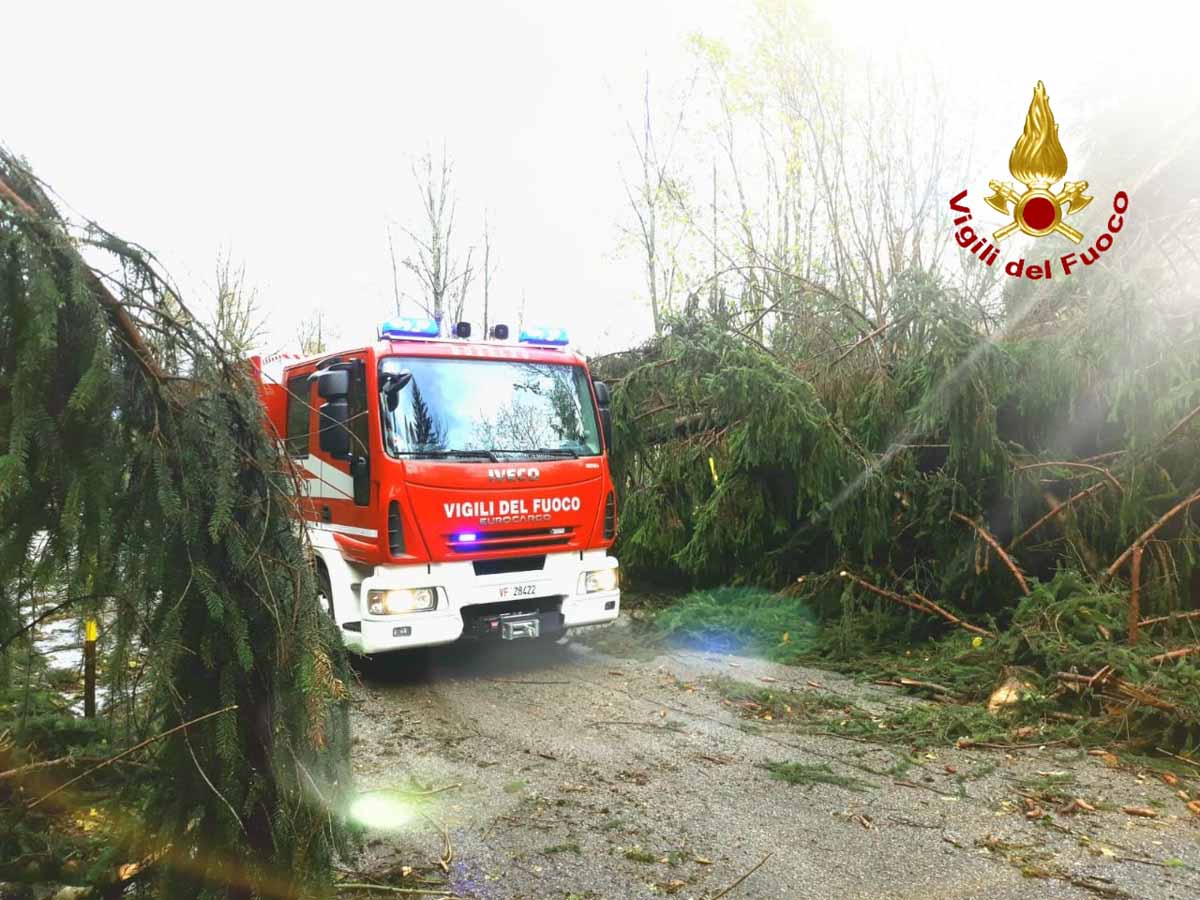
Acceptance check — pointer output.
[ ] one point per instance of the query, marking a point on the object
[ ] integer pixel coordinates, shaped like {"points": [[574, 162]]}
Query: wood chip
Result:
{"points": [[1077, 805], [1144, 811]]}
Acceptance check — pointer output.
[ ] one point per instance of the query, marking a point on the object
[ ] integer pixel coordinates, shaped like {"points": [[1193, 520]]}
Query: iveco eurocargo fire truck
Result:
{"points": [[453, 488]]}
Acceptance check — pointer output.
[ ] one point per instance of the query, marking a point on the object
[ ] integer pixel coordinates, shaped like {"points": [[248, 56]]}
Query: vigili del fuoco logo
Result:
{"points": [[1039, 163]]}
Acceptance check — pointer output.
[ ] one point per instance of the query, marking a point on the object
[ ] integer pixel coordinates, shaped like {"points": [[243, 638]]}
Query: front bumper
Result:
{"points": [[459, 588]]}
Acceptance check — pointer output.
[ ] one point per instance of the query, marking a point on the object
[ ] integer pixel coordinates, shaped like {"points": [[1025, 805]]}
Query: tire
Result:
{"points": [[325, 592]]}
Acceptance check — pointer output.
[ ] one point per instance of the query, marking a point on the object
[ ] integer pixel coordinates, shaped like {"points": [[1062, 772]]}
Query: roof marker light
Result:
{"points": [[554, 337], [409, 326]]}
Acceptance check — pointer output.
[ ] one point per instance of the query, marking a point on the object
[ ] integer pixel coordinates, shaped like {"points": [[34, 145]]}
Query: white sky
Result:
{"points": [[284, 133]]}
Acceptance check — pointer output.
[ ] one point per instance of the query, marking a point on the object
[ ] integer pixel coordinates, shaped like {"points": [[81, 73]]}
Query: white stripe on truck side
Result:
{"points": [[328, 481]]}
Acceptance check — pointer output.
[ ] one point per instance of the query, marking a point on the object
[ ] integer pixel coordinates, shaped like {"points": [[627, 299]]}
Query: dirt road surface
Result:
{"points": [[564, 772]]}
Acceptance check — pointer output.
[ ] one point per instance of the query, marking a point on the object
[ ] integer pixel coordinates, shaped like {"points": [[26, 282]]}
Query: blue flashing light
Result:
{"points": [[554, 337], [466, 537], [409, 326]]}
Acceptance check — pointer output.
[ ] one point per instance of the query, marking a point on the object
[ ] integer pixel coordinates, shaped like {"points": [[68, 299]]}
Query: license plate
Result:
{"points": [[516, 591]]}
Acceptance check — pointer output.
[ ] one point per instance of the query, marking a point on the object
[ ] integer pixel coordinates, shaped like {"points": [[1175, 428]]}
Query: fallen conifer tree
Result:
{"points": [[138, 484]]}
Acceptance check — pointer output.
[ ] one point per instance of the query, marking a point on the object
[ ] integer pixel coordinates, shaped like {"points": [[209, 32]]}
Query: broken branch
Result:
{"points": [[133, 749], [1135, 608], [921, 604], [1174, 654], [761, 862], [1150, 532], [1075, 465], [953, 619], [1194, 614], [1095, 488], [1004, 557], [45, 221]]}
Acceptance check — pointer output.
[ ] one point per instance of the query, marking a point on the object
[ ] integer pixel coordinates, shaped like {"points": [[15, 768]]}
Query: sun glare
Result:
{"points": [[381, 811]]}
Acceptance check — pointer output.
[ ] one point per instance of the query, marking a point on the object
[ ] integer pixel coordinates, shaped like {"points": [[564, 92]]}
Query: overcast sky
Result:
{"points": [[284, 133]]}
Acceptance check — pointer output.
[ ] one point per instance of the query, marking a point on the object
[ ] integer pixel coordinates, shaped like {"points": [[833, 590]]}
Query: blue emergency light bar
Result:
{"points": [[409, 326], [553, 337], [466, 537]]}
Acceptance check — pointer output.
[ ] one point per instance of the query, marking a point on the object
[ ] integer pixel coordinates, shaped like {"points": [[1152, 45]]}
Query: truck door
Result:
{"points": [[360, 444], [342, 458]]}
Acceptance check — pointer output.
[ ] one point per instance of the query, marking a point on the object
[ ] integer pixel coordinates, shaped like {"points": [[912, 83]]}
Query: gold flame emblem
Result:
{"points": [[1038, 161]]}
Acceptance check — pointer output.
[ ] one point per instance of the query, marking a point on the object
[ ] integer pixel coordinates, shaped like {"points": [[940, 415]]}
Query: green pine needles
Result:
{"points": [[137, 482]]}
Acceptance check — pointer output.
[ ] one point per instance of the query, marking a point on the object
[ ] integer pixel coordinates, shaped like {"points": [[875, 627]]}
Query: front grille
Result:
{"points": [[506, 565], [395, 529], [521, 539], [610, 517]]}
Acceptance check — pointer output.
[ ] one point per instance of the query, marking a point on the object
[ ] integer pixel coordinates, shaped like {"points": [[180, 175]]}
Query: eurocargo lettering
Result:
{"points": [[452, 488]]}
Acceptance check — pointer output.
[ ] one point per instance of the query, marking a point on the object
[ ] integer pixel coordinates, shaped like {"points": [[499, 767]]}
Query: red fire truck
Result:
{"points": [[454, 488]]}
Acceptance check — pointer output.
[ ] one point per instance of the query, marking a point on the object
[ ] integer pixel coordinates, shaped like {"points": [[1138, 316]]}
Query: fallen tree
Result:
{"points": [[957, 481], [137, 483]]}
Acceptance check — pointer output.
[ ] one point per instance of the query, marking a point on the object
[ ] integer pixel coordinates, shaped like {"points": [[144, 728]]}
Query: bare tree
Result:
{"points": [[825, 177], [237, 321], [650, 198], [457, 300], [444, 279], [489, 269], [395, 271], [314, 333]]}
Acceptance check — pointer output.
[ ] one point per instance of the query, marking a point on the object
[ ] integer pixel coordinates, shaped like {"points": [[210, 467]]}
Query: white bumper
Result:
{"points": [[459, 587]]}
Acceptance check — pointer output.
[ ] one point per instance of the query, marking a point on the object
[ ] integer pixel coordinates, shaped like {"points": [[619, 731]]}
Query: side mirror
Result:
{"points": [[606, 426], [604, 399], [393, 384], [334, 432], [333, 383]]}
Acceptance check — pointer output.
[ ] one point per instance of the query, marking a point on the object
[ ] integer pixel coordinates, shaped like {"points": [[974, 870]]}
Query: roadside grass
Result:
{"points": [[1066, 625], [911, 725], [752, 620], [638, 855], [815, 773], [772, 703], [1049, 787]]}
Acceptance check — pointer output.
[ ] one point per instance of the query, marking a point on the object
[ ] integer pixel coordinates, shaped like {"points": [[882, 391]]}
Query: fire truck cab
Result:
{"points": [[452, 488]]}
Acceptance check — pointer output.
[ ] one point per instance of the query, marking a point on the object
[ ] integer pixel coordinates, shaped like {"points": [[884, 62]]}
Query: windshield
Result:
{"points": [[496, 409]]}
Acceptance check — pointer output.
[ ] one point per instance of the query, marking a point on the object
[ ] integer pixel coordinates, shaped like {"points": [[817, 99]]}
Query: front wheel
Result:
{"points": [[325, 592]]}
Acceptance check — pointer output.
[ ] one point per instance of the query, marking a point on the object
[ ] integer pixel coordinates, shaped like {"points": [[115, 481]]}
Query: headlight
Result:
{"points": [[397, 602], [602, 580]]}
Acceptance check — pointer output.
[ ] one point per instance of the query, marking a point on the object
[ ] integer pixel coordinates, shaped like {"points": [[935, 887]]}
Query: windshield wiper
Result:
{"points": [[450, 454], [541, 451]]}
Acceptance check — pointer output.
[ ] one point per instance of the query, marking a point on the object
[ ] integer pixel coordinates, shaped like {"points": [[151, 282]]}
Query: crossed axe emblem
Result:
{"points": [[1039, 210]]}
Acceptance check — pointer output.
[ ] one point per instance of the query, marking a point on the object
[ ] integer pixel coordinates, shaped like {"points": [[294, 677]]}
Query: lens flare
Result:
{"points": [[381, 811]]}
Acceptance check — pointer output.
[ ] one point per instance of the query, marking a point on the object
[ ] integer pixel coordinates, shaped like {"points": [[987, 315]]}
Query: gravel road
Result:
{"points": [[581, 774]]}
